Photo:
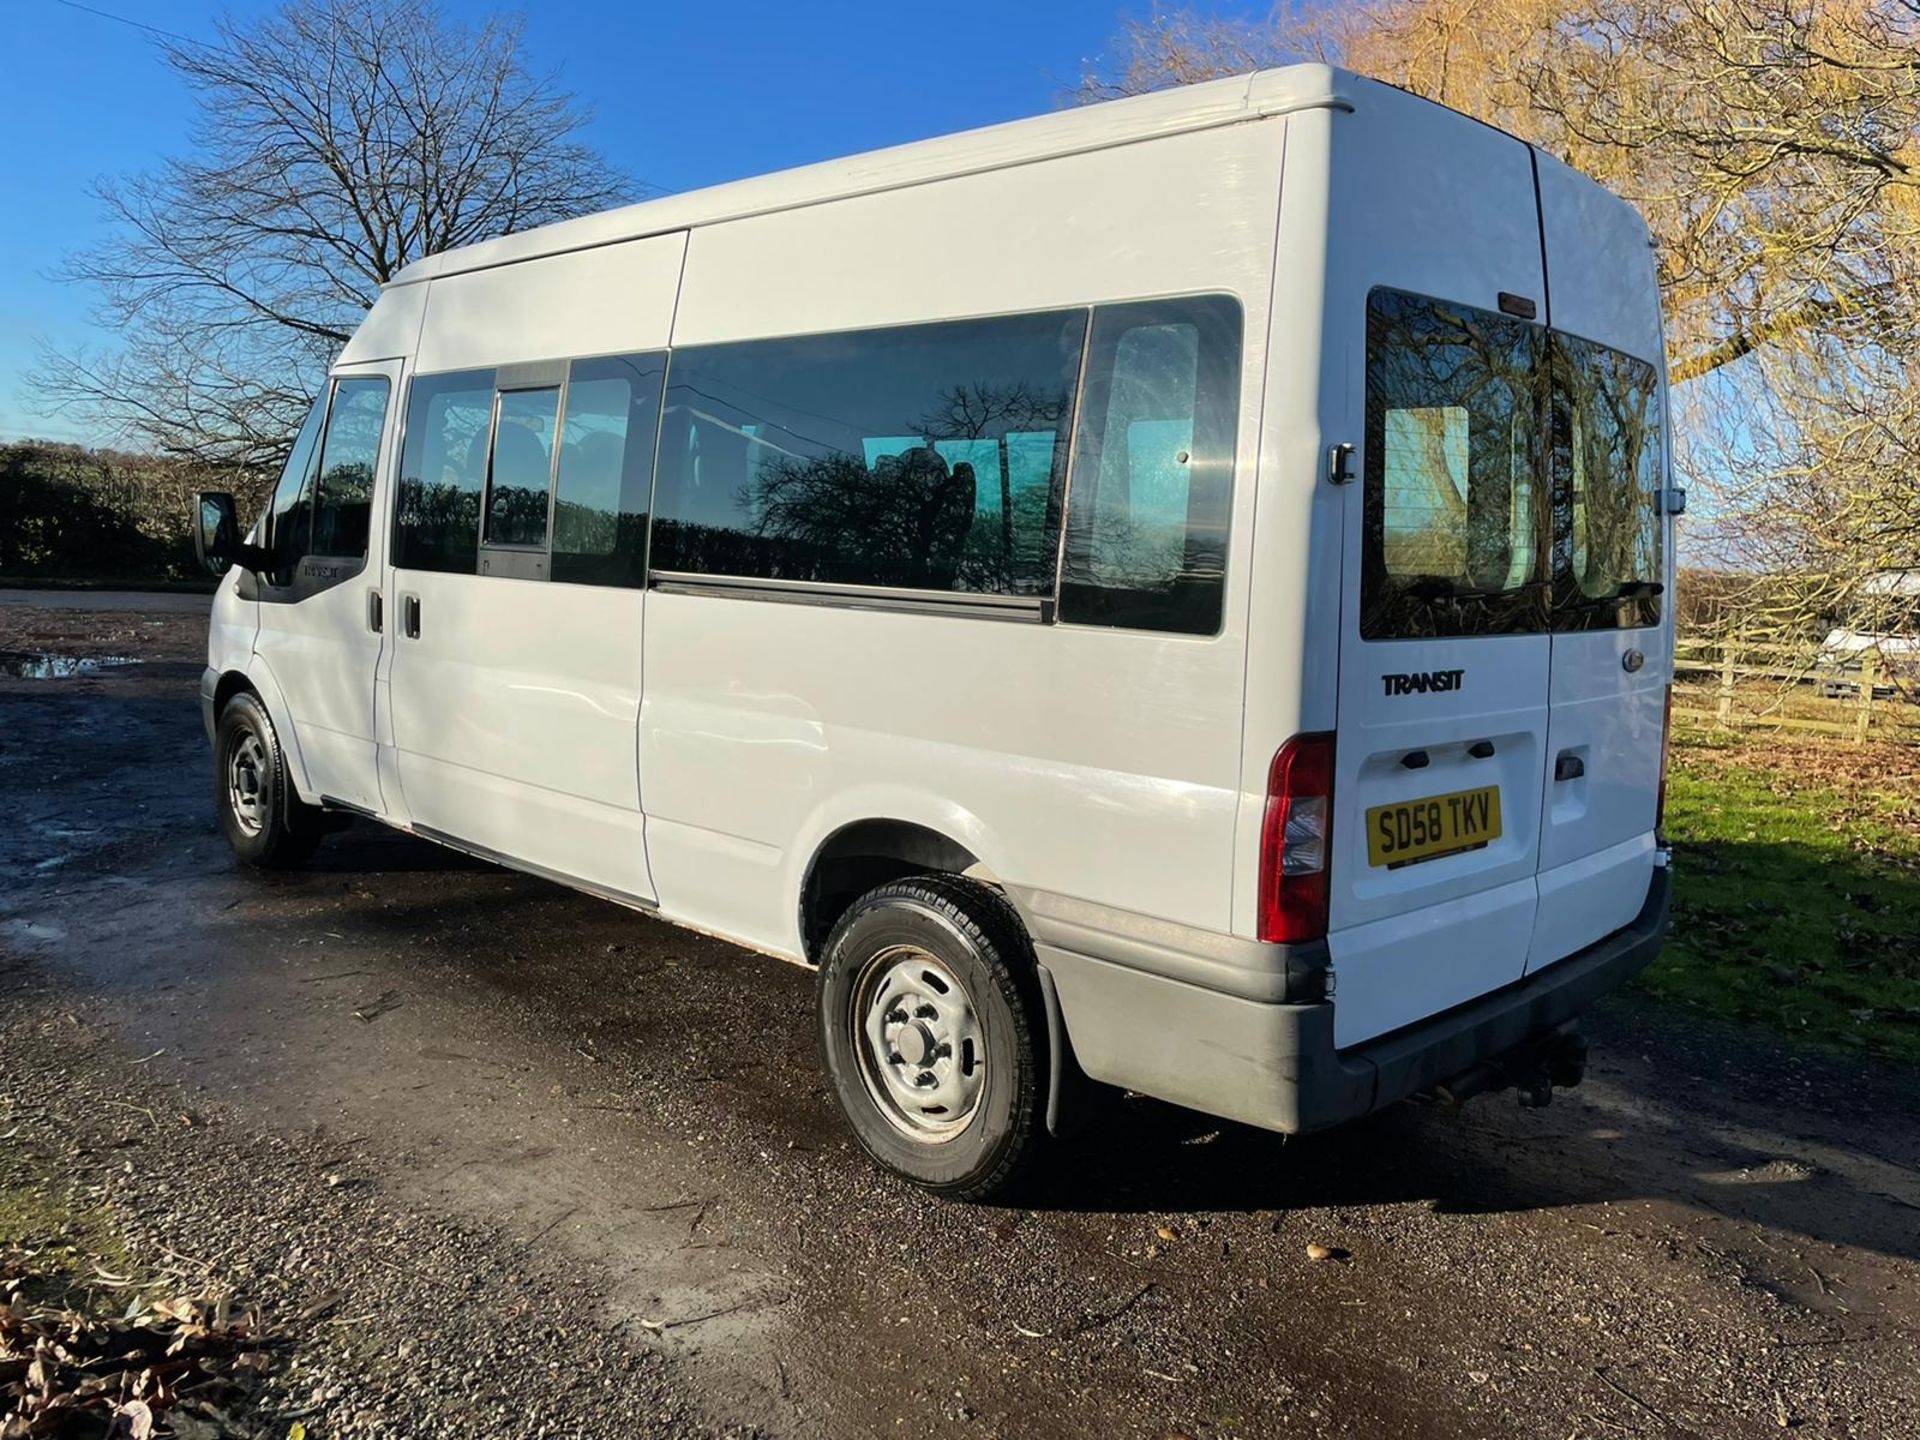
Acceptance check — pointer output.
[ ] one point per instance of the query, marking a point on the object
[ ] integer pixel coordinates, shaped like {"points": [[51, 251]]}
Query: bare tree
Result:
{"points": [[337, 141]]}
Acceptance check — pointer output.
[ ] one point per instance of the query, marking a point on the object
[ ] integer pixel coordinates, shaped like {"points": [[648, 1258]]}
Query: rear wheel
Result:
{"points": [[929, 1032], [264, 821]]}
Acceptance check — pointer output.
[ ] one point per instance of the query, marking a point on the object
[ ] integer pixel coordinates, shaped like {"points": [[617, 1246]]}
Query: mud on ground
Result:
{"points": [[573, 1171]]}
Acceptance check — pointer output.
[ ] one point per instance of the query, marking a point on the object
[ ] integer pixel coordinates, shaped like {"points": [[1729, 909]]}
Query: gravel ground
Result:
{"points": [[590, 1181]]}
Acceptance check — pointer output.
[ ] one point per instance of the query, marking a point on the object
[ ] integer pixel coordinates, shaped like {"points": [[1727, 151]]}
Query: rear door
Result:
{"points": [[1433, 233], [1612, 653]]}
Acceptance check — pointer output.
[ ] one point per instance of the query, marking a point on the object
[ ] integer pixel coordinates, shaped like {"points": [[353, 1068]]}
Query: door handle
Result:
{"points": [[376, 611], [1569, 767], [410, 615]]}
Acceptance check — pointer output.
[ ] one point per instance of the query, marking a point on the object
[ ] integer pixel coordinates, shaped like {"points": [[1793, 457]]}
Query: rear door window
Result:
{"points": [[1609, 460], [1454, 508]]}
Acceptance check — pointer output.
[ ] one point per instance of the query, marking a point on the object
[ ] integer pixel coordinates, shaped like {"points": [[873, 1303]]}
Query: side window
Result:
{"points": [[343, 496], [1153, 467], [923, 457], [1453, 509], [289, 517], [521, 474], [1609, 458], [604, 478], [443, 470]]}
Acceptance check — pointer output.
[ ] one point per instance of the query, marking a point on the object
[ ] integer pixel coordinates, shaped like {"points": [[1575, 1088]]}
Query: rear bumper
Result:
{"points": [[1275, 1065]]}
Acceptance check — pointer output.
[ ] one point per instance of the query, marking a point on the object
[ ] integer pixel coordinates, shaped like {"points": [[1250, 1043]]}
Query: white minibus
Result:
{"points": [[1172, 594]]}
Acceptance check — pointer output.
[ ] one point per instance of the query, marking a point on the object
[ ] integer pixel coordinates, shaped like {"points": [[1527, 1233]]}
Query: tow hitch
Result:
{"points": [[1532, 1070]]}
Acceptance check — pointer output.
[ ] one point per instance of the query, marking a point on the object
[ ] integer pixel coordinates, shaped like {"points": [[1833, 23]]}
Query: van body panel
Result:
{"points": [[391, 329], [763, 721], [320, 643], [1190, 213], [1608, 689], [1119, 123], [760, 715], [1292, 620], [595, 302], [513, 721], [1401, 172]]}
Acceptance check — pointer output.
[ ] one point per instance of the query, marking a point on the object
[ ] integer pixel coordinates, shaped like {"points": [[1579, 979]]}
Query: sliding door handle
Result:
{"points": [[410, 615], [376, 611]]}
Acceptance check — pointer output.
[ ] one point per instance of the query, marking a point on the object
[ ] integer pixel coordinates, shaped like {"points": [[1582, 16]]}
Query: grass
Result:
{"points": [[1797, 899], [71, 1238]]}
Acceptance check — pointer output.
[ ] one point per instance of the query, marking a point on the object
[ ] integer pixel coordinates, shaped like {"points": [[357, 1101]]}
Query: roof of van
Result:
{"points": [[1066, 132]]}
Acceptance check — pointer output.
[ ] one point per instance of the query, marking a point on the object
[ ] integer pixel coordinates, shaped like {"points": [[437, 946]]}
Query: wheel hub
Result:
{"points": [[246, 783], [921, 1046]]}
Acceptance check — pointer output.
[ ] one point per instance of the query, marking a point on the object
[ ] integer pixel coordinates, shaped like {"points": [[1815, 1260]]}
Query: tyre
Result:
{"points": [[266, 823], [932, 1034]]}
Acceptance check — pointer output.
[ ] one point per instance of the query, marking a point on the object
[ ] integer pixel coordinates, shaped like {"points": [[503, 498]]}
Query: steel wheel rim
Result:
{"points": [[922, 1049], [247, 782]]}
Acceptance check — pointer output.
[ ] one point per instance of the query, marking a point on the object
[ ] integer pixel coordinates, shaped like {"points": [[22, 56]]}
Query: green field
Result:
{"points": [[1797, 899]]}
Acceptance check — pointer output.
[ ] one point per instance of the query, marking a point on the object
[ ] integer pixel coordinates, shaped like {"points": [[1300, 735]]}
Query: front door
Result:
{"points": [[321, 622]]}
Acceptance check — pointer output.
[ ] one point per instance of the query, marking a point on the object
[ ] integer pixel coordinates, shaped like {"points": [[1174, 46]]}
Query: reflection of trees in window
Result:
{"points": [[1016, 555], [1452, 509], [1608, 453], [924, 456], [913, 519], [443, 466]]}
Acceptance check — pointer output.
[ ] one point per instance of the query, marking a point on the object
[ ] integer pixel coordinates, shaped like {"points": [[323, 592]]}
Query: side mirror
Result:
{"points": [[216, 530]]}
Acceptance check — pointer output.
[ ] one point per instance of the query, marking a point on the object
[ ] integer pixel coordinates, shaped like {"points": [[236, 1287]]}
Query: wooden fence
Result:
{"points": [[1734, 684]]}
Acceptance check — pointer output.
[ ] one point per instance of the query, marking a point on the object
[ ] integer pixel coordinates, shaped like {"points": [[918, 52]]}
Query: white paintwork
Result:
{"points": [[322, 654], [1596, 841], [1107, 760], [995, 147], [595, 302], [1425, 937], [697, 750]]}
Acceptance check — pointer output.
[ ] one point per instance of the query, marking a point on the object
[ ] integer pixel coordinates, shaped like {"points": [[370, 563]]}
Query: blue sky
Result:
{"points": [[685, 94]]}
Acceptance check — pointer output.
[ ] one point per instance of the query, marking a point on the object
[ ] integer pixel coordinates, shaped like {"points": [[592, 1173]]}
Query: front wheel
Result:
{"points": [[930, 1025], [264, 821]]}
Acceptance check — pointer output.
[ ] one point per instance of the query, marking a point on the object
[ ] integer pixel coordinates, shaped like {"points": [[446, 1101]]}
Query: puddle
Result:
{"points": [[42, 665]]}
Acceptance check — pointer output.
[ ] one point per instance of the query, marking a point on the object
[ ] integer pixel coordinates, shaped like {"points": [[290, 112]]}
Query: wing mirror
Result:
{"points": [[216, 535]]}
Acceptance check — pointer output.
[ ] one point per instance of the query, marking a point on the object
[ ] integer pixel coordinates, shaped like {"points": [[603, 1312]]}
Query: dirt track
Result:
{"points": [[1711, 1238]]}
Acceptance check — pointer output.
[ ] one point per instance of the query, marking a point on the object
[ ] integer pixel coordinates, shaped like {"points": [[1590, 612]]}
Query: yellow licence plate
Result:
{"points": [[1411, 830]]}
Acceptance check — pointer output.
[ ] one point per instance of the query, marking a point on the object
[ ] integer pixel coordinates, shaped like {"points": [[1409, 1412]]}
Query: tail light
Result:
{"points": [[1666, 736], [1296, 841]]}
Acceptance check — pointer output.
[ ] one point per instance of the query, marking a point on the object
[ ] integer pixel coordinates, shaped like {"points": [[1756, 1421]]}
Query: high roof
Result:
{"points": [[1066, 132]]}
